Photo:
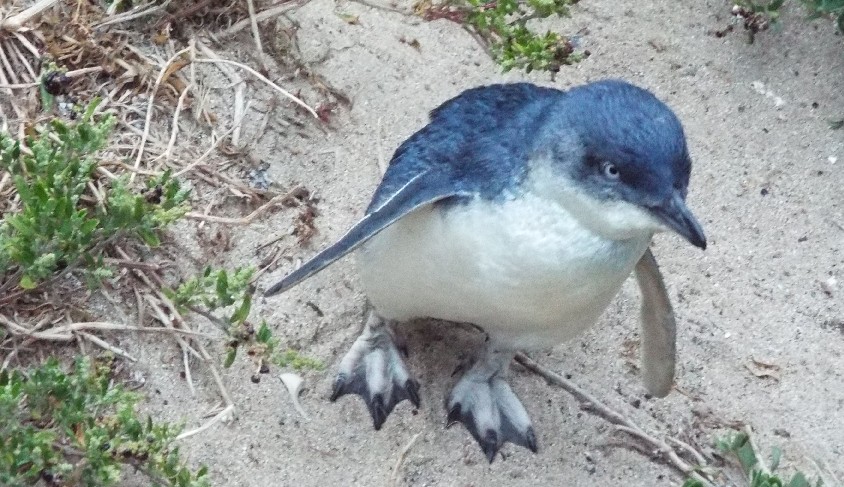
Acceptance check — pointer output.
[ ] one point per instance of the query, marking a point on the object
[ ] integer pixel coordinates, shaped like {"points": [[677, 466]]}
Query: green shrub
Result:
{"points": [[58, 224], [770, 10], [503, 27], [78, 429], [215, 290], [738, 445]]}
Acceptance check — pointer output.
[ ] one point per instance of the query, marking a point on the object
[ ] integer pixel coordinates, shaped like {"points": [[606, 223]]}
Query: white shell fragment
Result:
{"points": [[293, 383]]}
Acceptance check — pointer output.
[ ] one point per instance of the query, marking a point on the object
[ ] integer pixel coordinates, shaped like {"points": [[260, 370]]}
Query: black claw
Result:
{"points": [[453, 416], [412, 388], [379, 406], [491, 440], [489, 444], [378, 410], [530, 440], [339, 387]]}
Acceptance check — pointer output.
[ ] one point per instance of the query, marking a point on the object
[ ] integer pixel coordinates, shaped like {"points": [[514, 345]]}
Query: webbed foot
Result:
{"points": [[483, 401], [374, 369]]}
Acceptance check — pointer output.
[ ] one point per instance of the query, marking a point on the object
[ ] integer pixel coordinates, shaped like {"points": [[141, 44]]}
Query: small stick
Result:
{"points": [[28, 45], [64, 333], [264, 79], [103, 326], [102, 343], [81, 343], [268, 243], [381, 7], [105, 172], [182, 344], [248, 218], [188, 376], [272, 262], [151, 106], [256, 35], [131, 264], [222, 325], [622, 423], [205, 154], [9, 357], [163, 318], [221, 416], [240, 109], [205, 356], [699, 458], [235, 187], [127, 16], [5, 82], [394, 479], [659, 445], [479, 39], [175, 130], [139, 302], [262, 128], [127, 167], [4, 181], [22, 59], [17, 86], [239, 93], [16, 22], [259, 17], [83, 71]]}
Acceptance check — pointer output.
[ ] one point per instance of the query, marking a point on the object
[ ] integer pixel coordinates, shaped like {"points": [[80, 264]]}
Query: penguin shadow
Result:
{"points": [[437, 353]]}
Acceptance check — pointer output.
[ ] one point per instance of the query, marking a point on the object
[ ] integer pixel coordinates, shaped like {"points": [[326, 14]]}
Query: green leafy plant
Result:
{"points": [[268, 347], [758, 15], [739, 446], [503, 26], [77, 428], [210, 293], [58, 223], [823, 8], [215, 289]]}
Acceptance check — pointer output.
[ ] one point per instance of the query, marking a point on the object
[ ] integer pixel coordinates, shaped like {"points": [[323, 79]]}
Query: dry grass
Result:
{"points": [[152, 73]]}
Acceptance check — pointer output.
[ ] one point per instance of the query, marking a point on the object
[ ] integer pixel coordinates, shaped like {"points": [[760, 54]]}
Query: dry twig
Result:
{"points": [[263, 78], [622, 423], [64, 333], [174, 131], [134, 13], [174, 316], [200, 159], [280, 199], [256, 35], [161, 74], [104, 344], [386, 8], [16, 22], [239, 92], [259, 17], [223, 415], [394, 478]]}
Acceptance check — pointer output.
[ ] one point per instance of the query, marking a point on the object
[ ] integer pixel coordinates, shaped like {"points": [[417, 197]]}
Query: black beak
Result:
{"points": [[676, 215]]}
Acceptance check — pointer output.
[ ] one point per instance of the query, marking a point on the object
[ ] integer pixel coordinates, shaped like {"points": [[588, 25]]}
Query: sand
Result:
{"points": [[767, 186]]}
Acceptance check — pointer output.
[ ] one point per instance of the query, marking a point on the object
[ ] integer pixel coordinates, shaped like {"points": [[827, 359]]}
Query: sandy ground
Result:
{"points": [[764, 186]]}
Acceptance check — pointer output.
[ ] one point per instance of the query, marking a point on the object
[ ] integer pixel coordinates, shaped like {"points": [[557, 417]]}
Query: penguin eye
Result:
{"points": [[610, 170]]}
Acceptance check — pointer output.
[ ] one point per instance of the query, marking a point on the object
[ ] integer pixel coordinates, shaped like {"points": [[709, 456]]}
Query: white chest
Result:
{"points": [[526, 271]]}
